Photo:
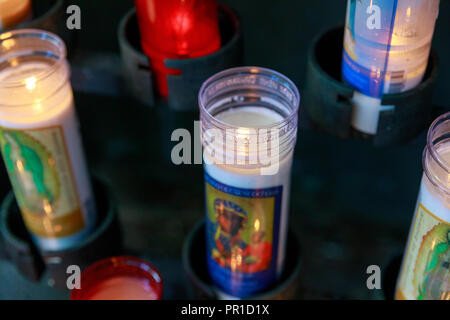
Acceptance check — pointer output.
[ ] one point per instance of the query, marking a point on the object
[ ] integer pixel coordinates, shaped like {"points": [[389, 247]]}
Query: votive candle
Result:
{"points": [[119, 278], [249, 129], [176, 29], [40, 140], [425, 271]]}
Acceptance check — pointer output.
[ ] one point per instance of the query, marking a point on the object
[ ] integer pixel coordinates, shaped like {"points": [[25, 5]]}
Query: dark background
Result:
{"points": [[351, 203]]}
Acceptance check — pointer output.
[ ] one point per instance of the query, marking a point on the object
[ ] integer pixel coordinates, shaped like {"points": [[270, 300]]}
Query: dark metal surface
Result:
{"points": [[351, 203]]}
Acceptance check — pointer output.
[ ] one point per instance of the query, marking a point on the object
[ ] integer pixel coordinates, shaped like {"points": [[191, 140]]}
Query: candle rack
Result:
{"points": [[183, 88], [194, 264], [327, 99], [31, 262]]}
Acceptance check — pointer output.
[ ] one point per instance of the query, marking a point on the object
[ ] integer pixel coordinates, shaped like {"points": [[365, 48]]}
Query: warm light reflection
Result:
{"points": [[5, 35], [8, 44], [14, 63], [47, 207], [257, 225], [19, 165], [408, 12]]}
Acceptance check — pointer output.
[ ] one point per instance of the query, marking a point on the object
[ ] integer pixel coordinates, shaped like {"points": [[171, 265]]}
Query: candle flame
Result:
{"points": [[5, 35], [257, 225], [8, 44], [30, 83], [47, 207], [19, 165]]}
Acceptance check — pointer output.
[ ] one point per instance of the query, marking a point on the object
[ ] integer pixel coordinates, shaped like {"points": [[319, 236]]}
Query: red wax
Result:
{"points": [[176, 29], [119, 278]]}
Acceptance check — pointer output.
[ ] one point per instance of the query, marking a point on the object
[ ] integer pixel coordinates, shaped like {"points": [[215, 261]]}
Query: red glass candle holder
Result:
{"points": [[119, 278], [176, 29]]}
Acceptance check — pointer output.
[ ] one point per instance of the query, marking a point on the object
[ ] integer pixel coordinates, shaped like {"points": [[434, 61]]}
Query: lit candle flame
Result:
{"points": [[30, 83]]}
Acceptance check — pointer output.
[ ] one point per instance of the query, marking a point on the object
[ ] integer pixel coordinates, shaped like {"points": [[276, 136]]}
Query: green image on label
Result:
{"points": [[425, 274], [41, 176], [31, 170]]}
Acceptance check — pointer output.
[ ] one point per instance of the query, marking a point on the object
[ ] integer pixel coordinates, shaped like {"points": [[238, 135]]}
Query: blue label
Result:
{"points": [[367, 42], [242, 235]]}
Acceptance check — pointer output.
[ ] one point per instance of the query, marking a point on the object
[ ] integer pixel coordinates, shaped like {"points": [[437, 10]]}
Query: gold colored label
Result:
{"points": [[425, 274], [39, 168]]}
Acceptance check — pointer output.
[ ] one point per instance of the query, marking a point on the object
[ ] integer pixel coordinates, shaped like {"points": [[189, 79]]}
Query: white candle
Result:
{"points": [[40, 140], [14, 12], [425, 272], [247, 206], [386, 49]]}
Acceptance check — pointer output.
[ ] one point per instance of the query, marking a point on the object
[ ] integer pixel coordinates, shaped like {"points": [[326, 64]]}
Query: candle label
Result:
{"points": [[41, 175], [382, 51], [367, 41], [242, 228], [426, 265]]}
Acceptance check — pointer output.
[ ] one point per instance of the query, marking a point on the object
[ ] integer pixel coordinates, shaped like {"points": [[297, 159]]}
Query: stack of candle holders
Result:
{"points": [[327, 99], [33, 263]]}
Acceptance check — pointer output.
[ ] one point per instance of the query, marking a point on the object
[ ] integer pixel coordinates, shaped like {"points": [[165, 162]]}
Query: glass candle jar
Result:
{"points": [[40, 140], [14, 12], [386, 49], [249, 128], [119, 278], [176, 29], [425, 271]]}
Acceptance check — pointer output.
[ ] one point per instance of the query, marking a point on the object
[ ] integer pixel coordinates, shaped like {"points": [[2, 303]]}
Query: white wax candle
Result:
{"points": [[123, 288], [425, 272], [42, 150], [249, 178]]}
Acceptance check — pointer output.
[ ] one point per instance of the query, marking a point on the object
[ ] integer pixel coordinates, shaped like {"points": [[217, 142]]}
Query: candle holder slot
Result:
{"points": [[103, 242], [327, 99], [194, 264], [183, 88]]}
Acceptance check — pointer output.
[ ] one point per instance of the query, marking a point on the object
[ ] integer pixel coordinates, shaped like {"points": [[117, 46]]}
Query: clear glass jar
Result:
{"points": [[387, 44], [249, 127], [425, 272], [40, 140]]}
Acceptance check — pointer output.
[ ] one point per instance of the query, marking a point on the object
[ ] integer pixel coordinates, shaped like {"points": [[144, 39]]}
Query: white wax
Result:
{"points": [[55, 110], [251, 178], [249, 117], [365, 113]]}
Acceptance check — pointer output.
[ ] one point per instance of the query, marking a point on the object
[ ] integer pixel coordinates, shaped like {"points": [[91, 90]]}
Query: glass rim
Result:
{"points": [[434, 154], [115, 265], [250, 70], [34, 33]]}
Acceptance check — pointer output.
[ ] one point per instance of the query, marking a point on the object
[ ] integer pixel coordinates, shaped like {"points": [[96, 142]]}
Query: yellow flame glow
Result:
{"points": [[30, 83]]}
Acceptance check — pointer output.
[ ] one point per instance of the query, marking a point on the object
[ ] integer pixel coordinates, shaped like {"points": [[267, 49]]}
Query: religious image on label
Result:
{"points": [[242, 231]]}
